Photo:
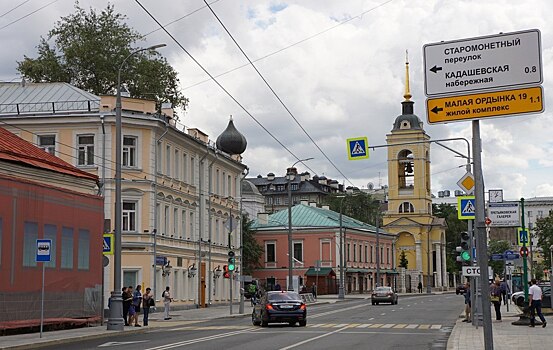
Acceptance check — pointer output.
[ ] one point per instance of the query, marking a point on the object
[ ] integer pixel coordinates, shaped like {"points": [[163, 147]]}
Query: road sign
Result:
{"points": [[496, 257], [108, 246], [522, 237], [358, 148], [470, 271], [466, 207], [500, 61], [161, 260], [510, 255], [488, 221], [43, 250], [467, 183], [484, 105], [509, 269], [504, 214], [523, 251]]}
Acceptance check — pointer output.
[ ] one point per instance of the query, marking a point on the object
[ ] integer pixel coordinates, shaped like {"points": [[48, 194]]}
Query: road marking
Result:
{"points": [[312, 339], [387, 325], [382, 314], [372, 318], [436, 326], [377, 325], [203, 339], [401, 325], [353, 325], [412, 326], [364, 325], [338, 310], [424, 326], [115, 343], [341, 325]]}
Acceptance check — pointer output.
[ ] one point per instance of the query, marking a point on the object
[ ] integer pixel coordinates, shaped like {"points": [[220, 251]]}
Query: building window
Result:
{"points": [[372, 253], [184, 167], [50, 232], [529, 213], [229, 185], [83, 258], [85, 146], [129, 151], [129, 217], [381, 259], [168, 160], [47, 143], [366, 254], [177, 165], [294, 187], [158, 157], [217, 182], [29, 244], [67, 248], [175, 222], [298, 251], [130, 277], [354, 252], [192, 170], [225, 193], [268, 200], [270, 250], [348, 253], [387, 255], [166, 220], [540, 214], [360, 250], [191, 225], [406, 207], [280, 188], [277, 200], [183, 223], [217, 232]]}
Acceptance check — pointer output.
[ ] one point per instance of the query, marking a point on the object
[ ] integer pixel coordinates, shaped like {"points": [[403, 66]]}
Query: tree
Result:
{"points": [[360, 206], [544, 232], [498, 247], [88, 50], [251, 249], [403, 262]]}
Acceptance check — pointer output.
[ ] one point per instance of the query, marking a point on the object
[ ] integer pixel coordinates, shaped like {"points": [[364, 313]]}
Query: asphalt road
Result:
{"points": [[417, 322]]}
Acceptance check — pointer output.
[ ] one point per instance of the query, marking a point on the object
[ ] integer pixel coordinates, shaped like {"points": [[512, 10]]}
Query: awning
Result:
{"points": [[324, 271]]}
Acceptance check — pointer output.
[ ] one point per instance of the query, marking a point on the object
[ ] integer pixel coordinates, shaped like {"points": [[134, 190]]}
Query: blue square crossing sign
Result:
{"points": [[108, 244], [466, 207], [358, 148]]}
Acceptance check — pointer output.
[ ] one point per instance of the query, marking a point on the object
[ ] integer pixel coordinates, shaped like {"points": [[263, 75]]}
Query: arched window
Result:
{"points": [[406, 207], [406, 169]]}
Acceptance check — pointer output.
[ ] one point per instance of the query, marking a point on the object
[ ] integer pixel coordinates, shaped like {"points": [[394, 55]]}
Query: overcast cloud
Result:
{"points": [[346, 82]]}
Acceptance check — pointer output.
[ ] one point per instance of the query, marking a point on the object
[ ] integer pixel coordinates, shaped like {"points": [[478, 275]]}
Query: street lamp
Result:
{"points": [[341, 286], [115, 321], [289, 175]]}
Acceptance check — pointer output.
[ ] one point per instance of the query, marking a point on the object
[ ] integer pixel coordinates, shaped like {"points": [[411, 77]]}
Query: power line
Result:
{"points": [[27, 15], [15, 8], [276, 95], [219, 84]]}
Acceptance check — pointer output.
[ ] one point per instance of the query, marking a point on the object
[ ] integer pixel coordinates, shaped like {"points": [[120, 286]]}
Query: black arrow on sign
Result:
{"points": [[435, 69], [437, 109]]}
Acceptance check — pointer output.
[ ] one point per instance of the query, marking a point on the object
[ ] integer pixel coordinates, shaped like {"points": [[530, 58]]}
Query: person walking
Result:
{"points": [[535, 296], [420, 287], [314, 290], [504, 291], [495, 298], [166, 303], [147, 299], [127, 300], [136, 301], [468, 306]]}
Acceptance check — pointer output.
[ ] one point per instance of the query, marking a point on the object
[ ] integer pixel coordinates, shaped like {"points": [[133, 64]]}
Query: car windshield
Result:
{"points": [[283, 296], [383, 289]]}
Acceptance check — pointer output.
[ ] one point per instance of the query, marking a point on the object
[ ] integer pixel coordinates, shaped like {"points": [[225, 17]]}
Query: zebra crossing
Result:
{"points": [[394, 326]]}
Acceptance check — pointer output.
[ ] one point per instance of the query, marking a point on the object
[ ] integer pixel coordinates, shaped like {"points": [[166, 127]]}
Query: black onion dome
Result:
{"points": [[407, 120], [231, 141]]}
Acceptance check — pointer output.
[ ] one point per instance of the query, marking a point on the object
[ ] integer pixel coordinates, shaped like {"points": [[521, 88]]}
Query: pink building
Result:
{"points": [[316, 242]]}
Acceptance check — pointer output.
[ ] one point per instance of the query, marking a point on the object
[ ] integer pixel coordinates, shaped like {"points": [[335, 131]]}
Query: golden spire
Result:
{"points": [[407, 94]]}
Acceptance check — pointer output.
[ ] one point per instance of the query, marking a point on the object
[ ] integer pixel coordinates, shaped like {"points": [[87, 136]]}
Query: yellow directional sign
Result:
{"points": [[478, 106]]}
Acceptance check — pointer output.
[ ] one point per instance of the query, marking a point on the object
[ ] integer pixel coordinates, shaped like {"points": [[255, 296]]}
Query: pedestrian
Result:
{"points": [[127, 300], [468, 306], [136, 301], [505, 291], [147, 299], [535, 296], [166, 295], [252, 290], [277, 286], [314, 290], [495, 298], [420, 287]]}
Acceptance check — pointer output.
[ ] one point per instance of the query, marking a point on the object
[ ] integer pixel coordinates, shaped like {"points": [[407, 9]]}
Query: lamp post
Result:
{"points": [[289, 175], [115, 321], [341, 286], [377, 224]]}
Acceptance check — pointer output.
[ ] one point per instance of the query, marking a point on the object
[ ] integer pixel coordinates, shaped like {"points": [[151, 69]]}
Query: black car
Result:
{"points": [[278, 307], [461, 289]]}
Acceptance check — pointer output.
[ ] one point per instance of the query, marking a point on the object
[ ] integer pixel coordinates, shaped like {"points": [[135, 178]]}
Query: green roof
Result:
{"points": [[325, 271], [309, 216]]}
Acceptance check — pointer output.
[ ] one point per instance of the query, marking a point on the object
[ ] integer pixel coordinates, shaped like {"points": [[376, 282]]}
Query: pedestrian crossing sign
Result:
{"points": [[466, 207], [358, 148], [108, 243]]}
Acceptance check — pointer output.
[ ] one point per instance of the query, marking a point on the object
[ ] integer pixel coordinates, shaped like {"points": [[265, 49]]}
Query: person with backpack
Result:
{"points": [[147, 302], [166, 296]]}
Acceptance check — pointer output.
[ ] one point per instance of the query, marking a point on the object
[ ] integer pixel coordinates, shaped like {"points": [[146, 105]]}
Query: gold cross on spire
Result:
{"points": [[407, 94]]}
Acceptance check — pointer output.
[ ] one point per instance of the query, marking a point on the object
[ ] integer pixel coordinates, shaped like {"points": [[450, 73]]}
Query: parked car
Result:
{"points": [[384, 295], [461, 289], [518, 297], [278, 307]]}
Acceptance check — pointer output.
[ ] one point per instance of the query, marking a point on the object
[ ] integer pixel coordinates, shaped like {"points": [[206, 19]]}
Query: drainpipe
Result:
{"points": [[201, 198], [155, 210]]}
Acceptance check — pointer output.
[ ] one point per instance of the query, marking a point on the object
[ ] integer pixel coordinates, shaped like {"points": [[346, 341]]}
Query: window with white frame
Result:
{"points": [[85, 147], [406, 207], [191, 225], [47, 143], [192, 171], [183, 224], [129, 151], [270, 252], [184, 167], [175, 222], [223, 180], [158, 157], [217, 182], [298, 251], [229, 185], [177, 164], [218, 237], [129, 216], [168, 160], [166, 220]]}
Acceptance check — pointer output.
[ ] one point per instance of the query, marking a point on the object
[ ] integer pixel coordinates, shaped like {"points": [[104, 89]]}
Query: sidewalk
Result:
{"points": [[505, 335]]}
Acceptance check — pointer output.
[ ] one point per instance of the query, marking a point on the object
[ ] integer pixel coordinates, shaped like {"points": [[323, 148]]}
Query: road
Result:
{"points": [[417, 322]]}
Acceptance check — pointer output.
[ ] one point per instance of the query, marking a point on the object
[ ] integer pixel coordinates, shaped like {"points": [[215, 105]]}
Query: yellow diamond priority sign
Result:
{"points": [[467, 183]]}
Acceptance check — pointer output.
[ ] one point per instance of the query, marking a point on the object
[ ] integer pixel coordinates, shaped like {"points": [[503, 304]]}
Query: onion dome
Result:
{"points": [[231, 141], [407, 120]]}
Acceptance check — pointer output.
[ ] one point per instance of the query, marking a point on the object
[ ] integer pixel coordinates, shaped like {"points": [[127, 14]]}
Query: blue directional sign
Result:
{"points": [[108, 244], [358, 148], [466, 207], [511, 255], [43, 250], [496, 257]]}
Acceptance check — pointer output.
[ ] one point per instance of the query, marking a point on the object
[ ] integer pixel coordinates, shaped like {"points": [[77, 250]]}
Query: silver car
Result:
{"points": [[384, 295]]}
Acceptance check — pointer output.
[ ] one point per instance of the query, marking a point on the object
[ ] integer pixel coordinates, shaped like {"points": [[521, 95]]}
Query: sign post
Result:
{"points": [[43, 255]]}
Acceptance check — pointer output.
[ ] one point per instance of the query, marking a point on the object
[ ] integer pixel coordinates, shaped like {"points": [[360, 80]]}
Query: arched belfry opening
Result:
{"points": [[406, 170]]}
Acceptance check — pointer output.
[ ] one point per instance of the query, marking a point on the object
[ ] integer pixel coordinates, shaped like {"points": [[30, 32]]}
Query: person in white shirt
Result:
{"points": [[166, 303], [535, 294]]}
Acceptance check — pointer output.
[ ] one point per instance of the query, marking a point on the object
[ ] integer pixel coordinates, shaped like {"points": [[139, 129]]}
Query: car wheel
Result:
{"points": [[374, 303], [303, 323], [264, 323], [292, 323], [255, 322], [377, 303]]}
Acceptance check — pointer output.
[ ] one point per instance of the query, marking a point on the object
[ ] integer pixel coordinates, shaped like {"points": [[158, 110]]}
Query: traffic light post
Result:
{"points": [[229, 270]]}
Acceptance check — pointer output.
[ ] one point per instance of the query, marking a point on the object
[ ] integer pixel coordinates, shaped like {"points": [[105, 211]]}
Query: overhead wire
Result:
{"points": [[276, 95], [14, 8], [29, 14], [220, 85]]}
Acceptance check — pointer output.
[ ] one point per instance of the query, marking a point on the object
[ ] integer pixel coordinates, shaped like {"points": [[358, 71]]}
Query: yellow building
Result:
{"points": [[419, 234], [178, 189]]}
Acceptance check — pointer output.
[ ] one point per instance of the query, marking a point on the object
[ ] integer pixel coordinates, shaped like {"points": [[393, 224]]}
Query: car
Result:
{"points": [[279, 307], [384, 295], [461, 289], [518, 297]]}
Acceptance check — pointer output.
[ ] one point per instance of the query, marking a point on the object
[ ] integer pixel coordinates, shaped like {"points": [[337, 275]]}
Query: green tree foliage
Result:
{"points": [[452, 233], [403, 262], [87, 51], [252, 250], [360, 206], [544, 232], [498, 247]]}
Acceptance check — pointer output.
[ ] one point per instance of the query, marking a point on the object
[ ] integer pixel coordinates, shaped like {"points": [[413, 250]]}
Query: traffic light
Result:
{"points": [[226, 272], [464, 249], [231, 261]]}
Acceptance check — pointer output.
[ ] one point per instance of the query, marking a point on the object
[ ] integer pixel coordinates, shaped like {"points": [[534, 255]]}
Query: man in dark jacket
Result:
{"points": [[127, 300]]}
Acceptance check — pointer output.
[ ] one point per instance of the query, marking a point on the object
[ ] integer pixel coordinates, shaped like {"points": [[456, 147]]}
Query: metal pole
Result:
{"points": [[154, 292], [377, 251], [210, 277], [524, 258], [42, 300], [429, 273], [290, 247], [341, 287], [481, 239], [231, 279], [241, 307]]}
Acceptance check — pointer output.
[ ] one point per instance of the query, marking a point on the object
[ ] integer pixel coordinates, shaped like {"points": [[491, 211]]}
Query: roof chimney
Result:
{"points": [[263, 218]]}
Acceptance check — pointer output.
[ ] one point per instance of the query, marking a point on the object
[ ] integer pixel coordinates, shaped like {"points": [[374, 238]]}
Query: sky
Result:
{"points": [[339, 69]]}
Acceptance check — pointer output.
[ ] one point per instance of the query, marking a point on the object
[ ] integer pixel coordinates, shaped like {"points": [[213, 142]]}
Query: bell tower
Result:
{"points": [[420, 235]]}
